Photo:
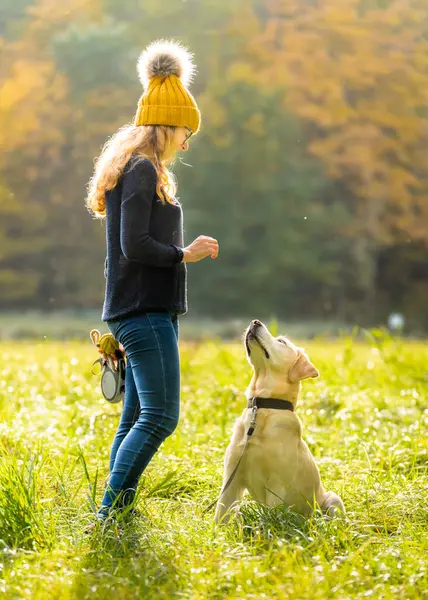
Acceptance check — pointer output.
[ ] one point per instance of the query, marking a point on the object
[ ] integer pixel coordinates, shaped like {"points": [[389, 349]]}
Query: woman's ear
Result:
{"points": [[302, 369]]}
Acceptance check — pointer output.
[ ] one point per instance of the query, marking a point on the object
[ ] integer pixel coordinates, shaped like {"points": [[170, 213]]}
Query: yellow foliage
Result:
{"points": [[361, 78]]}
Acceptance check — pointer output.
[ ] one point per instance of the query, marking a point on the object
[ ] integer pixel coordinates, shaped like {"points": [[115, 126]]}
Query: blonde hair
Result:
{"points": [[146, 141]]}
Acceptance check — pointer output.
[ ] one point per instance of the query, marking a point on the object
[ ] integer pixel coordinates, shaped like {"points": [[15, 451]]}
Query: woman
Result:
{"points": [[145, 266]]}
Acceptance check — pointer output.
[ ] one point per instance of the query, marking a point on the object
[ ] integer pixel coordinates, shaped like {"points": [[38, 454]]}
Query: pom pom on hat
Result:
{"points": [[163, 58], [165, 69]]}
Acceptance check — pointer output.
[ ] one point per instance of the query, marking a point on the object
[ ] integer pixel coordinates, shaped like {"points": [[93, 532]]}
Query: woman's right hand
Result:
{"points": [[200, 248]]}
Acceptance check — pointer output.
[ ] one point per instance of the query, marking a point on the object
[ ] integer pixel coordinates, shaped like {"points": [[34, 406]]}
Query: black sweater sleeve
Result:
{"points": [[138, 191]]}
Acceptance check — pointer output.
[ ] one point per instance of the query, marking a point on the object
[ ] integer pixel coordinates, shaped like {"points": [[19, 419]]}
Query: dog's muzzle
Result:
{"points": [[252, 336]]}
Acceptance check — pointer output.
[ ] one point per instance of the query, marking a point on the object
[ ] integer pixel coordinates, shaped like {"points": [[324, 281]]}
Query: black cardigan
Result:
{"points": [[144, 269]]}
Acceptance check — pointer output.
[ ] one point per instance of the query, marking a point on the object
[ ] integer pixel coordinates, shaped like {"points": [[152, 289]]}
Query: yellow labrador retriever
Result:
{"points": [[277, 466]]}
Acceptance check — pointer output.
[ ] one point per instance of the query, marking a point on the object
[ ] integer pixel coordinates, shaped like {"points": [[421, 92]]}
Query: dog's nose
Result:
{"points": [[256, 322]]}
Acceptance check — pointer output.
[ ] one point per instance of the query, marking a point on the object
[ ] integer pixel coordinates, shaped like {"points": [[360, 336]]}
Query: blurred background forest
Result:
{"points": [[311, 167]]}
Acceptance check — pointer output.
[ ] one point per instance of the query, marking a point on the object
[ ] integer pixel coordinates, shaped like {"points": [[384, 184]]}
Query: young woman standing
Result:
{"points": [[145, 271]]}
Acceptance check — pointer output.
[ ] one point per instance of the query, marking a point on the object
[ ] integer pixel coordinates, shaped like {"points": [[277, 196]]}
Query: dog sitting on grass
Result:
{"points": [[277, 466]]}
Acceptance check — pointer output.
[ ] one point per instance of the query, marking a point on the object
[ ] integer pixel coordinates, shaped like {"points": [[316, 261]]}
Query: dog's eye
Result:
{"points": [[282, 341]]}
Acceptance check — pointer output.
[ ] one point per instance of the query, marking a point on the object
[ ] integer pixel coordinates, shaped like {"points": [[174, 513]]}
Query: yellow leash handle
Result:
{"points": [[106, 343]]}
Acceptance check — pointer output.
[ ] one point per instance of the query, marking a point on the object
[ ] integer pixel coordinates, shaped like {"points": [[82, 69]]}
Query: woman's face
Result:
{"points": [[180, 140]]}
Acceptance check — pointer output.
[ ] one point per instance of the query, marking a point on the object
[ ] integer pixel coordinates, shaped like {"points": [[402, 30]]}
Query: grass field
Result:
{"points": [[365, 421]]}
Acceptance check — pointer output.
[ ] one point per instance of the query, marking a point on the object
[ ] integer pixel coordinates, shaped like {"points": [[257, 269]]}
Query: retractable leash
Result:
{"points": [[112, 371]]}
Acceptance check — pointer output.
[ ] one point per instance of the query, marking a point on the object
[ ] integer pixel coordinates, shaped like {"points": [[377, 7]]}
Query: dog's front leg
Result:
{"points": [[226, 501], [234, 490]]}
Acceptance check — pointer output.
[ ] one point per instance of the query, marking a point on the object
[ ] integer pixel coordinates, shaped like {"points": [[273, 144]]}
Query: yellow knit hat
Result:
{"points": [[166, 69]]}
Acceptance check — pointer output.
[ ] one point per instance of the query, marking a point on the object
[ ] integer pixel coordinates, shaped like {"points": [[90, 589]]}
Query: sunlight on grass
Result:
{"points": [[365, 420]]}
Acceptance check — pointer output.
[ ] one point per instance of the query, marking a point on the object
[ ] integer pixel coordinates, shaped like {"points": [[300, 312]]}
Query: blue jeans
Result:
{"points": [[152, 399]]}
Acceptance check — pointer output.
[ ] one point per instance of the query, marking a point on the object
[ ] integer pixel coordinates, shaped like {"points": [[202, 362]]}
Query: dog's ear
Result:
{"points": [[302, 369]]}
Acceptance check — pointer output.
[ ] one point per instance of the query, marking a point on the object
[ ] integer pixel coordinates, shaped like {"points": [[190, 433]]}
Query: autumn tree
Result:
{"points": [[356, 72]]}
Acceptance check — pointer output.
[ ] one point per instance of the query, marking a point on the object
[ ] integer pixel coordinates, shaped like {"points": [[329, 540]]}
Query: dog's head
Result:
{"points": [[277, 359]]}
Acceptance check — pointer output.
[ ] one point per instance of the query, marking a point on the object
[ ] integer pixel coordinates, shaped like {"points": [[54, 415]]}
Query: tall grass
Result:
{"points": [[365, 421]]}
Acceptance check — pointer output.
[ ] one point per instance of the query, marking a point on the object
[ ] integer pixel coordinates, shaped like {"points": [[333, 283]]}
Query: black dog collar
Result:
{"points": [[258, 402]]}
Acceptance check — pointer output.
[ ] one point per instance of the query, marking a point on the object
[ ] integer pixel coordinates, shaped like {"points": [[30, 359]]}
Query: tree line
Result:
{"points": [[310, 167]]}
